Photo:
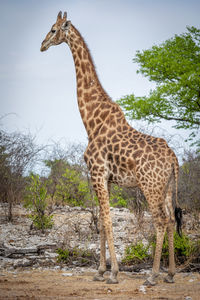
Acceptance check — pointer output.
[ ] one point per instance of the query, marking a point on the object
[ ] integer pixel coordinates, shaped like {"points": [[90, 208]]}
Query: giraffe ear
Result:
{"points": [[65, 16], [59, 17], [66, 25]]}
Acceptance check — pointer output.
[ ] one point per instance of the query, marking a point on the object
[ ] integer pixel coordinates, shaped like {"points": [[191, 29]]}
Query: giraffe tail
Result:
{"points": [[178, 210], [178, 217]]}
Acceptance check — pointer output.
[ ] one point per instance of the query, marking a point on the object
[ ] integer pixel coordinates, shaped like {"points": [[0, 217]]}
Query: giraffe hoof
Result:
{"points": [[98, 278], [112, 281], [150, 282], [169, 279]]}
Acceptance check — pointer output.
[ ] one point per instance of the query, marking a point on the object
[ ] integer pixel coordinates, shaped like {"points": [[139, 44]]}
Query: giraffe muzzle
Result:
{"points": [[44, 46]]}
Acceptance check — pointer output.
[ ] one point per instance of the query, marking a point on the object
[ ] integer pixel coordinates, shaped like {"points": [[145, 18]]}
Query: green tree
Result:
{"points": [[36, 200], [174, 66], [57, 169], [73, 188]]}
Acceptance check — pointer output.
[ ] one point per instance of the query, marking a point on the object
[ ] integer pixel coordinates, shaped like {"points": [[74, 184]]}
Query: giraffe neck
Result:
{"points": [[96, 107]]}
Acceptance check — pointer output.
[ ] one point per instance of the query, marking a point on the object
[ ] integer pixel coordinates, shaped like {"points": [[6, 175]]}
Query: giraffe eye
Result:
{"points": [[53, 30]]}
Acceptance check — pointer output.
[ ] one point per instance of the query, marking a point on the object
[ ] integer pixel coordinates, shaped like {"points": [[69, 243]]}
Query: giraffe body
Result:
{"points": [[117, 153]]}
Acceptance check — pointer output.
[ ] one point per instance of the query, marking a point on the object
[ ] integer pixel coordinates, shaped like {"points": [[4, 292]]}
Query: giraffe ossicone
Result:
{"points": [[117, 153]]}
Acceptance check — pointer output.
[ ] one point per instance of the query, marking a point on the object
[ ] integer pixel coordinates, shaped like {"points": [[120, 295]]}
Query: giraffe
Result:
{"points": [[117, 153]]}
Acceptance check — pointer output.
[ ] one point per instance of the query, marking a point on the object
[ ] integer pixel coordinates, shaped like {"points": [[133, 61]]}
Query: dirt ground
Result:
{"points": [[56, 284]]}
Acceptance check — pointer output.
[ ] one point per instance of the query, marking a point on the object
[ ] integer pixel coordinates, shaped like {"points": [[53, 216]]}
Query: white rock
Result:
{"points": [[22, 263], [67, 274], [142, 289]]}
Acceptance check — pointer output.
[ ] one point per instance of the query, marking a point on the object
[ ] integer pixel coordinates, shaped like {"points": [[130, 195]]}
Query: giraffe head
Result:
{"points": [[57, 34]]}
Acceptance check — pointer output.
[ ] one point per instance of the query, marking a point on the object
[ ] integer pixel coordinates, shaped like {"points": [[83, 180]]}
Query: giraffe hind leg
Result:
{"points": [[102, 266], [160, 232], [160, 217], [171, 271], [170, 232]]}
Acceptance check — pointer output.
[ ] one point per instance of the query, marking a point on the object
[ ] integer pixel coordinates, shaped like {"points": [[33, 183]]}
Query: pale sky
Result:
{"points": [[40, 88]]}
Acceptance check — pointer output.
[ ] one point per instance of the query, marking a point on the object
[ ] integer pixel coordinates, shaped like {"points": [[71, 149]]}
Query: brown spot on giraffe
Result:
{"points": [[79, 93], [118, 153], [79, 52], [104, 114], [131, 164], [83, 67]]}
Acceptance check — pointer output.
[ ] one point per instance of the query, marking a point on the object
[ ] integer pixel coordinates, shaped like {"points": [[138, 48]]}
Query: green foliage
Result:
{"points": [[36, 200], [42, 222], [82, 257], [57, 168], [117, 198], [63, 255], [72, 188], [182, 245], [175, 68], [183, 248], [136, 253]]}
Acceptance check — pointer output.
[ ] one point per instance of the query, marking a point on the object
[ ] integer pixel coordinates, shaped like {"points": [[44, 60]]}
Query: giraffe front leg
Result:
{"points": [[107, 231], [102, 266], [107, 223]]}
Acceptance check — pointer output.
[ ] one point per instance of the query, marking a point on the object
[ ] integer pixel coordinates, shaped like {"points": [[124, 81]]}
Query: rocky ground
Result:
{"points": [[29, 267], [72, 227]]}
